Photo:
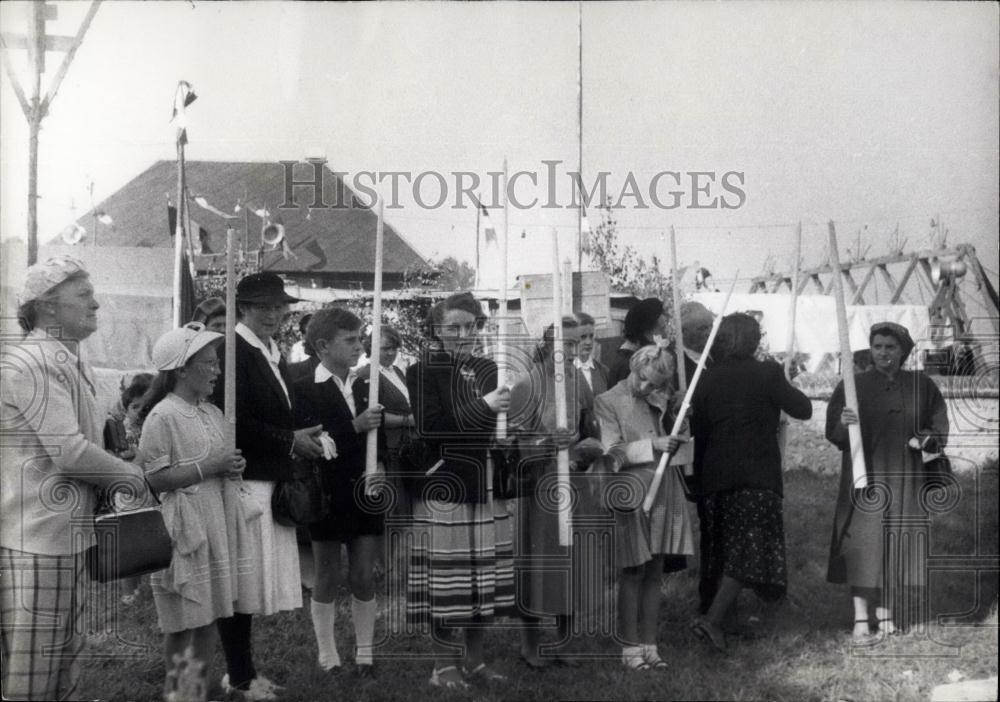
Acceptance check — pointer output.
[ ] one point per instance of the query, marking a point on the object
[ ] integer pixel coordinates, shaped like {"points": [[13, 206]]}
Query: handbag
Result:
{"points": [[129, 544], [303, 500], [512, 476]]}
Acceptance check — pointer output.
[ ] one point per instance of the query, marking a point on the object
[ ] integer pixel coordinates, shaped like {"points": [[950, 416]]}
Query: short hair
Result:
{"points": [[738, 337], [464, 301], [642, 319], [388, 334], [584, 319], [304, 322], [29, 312], [548, 337], [137, 388], [325, 324], [652, 356], [208, 308]]}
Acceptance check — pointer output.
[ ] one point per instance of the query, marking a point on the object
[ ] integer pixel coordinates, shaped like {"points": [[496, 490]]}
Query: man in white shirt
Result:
{"points": [[595, 372]]}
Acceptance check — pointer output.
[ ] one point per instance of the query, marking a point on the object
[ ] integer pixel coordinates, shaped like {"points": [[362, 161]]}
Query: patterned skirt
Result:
{"points": [[461, 568], [745, 538]]}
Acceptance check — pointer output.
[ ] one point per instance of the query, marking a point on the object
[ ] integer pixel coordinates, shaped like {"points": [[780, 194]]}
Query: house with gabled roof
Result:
{"points": [[323, 247]]}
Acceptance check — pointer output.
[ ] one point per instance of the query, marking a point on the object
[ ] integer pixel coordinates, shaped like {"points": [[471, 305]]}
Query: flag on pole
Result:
{"points": [[489, 230], [184, 96]]}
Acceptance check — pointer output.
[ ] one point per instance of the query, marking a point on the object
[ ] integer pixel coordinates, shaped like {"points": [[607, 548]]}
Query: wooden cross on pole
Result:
{"points": [[35, 107]]}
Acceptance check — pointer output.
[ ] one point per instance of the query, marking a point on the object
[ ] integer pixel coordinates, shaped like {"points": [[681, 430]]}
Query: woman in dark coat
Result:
{"points": [[737, 464], [461, 573], [900, 413]]}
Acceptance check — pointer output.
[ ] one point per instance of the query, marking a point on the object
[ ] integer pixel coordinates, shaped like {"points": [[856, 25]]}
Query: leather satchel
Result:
{"points": [[303, 500], [129, 544]]}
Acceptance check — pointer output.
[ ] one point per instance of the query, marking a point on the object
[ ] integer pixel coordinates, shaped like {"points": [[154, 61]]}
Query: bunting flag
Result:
{"points": [[184, 96], [489, 230]]}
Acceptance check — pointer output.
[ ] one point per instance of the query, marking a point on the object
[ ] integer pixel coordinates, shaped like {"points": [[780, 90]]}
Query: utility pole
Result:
{"points": [[36, 42]]}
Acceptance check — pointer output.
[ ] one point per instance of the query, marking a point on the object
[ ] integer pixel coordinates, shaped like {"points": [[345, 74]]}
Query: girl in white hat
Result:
{"points": [[183, 452]]}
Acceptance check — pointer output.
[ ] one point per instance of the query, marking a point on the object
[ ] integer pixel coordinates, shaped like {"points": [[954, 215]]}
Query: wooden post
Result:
{"points": [[675, 289], [654, 487], [790, 339], [859, 469], [559, 385], [230, 355], [567, 286], [179, 238], [501, 352], [375, 371]]}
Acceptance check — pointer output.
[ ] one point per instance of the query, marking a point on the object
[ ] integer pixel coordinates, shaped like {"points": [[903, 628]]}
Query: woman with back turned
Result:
{"points": [[735, 413]]}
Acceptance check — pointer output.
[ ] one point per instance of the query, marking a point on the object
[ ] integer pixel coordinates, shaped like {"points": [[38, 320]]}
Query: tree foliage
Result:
{"points": [[626, 268]]}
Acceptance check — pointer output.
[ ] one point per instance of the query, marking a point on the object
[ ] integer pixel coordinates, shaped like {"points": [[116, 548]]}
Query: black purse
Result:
{"points": [[129, 544], [303, 500], [512, 476]]}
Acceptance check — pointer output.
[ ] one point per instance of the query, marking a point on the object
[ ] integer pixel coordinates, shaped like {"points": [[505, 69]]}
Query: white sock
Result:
{"points": [[324, 621], [630, 652], [649, 652], [363, 614]]}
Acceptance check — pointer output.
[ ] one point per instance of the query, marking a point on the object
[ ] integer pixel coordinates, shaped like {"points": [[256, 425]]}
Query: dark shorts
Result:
{"points": [[352, 513]]}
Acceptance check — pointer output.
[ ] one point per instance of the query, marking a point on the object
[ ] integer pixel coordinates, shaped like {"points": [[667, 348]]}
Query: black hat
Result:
{"points": [[263, 288]]}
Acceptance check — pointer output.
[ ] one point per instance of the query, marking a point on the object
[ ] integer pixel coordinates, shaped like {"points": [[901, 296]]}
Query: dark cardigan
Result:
{"points": [[455, 422], [264, 421], [735, 413]]}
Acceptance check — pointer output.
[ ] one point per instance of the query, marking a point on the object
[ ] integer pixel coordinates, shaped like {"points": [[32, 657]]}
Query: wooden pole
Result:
{"points": [[501, 354], [478, 210], [790, 341], [675, 289], [579, 131], [567, 286], [375, 371], [230, 355], [654, 487], [859, 469], [559, 385], [179, 239]]}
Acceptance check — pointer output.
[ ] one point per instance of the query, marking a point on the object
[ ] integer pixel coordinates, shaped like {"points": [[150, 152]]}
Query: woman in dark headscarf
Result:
{"points": [[900, 413], [642, 323]]}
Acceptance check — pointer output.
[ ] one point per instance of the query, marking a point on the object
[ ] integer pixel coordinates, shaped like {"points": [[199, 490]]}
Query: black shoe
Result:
{"points": [[365, 671]]}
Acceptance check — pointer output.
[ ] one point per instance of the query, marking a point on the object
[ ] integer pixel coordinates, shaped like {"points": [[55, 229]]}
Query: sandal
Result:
{"points": [[709, 633], [633, 659], [888, 627], [484, 672], [652, 658], [459, 685], [866, 639]]}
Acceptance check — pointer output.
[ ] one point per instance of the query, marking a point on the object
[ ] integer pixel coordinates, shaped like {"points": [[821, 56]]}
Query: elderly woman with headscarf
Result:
{"points": [[900, 413], [645, 321], [737, 466]]}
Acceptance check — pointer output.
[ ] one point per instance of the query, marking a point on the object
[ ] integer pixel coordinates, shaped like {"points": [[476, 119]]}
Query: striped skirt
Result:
{"points": [[461, 563]]}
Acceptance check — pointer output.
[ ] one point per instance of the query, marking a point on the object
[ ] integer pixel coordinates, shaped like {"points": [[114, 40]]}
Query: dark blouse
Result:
{"points": [[735, 413], [453, 419]]}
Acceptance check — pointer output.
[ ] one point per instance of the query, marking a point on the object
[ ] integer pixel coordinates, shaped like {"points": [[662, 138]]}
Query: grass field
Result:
{"points": [[804, 653]]}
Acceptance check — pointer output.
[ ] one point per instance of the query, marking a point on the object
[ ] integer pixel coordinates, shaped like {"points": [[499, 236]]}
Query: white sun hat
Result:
{"points": [[177, 346]]}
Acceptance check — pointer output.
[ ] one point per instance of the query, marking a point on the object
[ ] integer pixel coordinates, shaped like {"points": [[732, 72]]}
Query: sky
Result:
{"points": [[870, 114]]}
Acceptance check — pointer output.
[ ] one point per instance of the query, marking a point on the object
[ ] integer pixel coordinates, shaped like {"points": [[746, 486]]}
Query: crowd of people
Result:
{"points": [[477, 502]]}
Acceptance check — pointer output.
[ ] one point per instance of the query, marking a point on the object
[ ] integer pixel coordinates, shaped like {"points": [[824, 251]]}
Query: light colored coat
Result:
{"points": [[52, 454]]}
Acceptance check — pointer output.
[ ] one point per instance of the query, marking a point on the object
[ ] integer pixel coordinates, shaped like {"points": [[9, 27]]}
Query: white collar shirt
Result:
{"points": [[270, 351], [346, 387]]}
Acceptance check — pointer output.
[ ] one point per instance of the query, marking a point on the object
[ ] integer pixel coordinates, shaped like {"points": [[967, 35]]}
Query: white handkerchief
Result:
{"points": [[329, 446]]}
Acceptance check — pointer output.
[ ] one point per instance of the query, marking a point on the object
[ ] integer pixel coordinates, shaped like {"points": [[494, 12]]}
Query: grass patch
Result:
{"points": [[804, 654]]}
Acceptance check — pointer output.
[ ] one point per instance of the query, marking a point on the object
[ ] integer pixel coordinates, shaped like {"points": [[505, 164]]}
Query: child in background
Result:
{"points": [[121, 437]]}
